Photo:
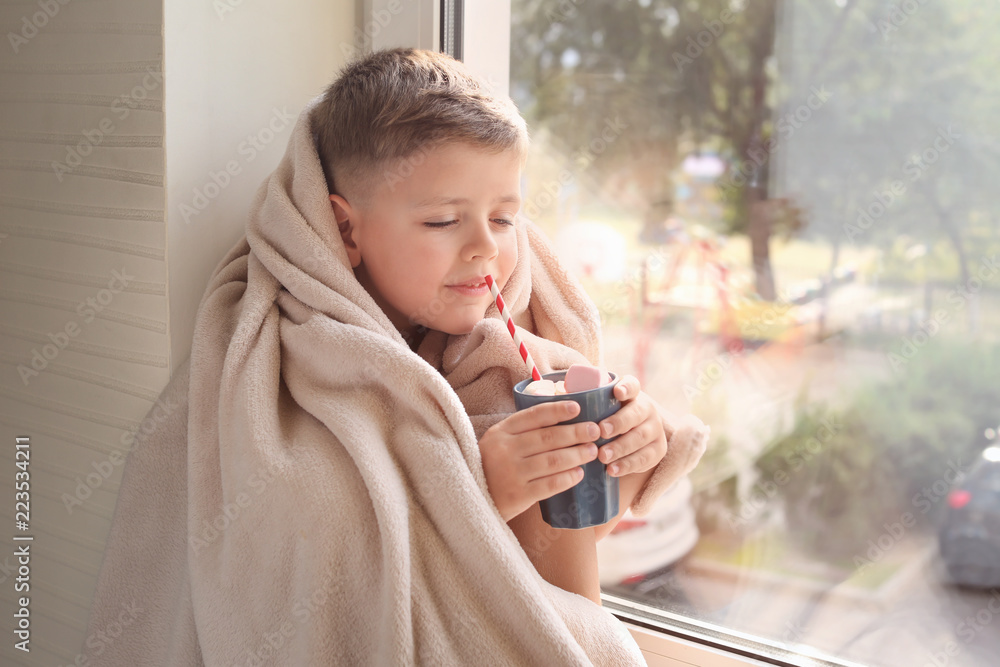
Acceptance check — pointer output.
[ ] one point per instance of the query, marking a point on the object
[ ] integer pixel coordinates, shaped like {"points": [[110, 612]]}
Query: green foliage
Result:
{"points": [[840, 486], [939, 265], [959, 380], [852, 471], [577, 64], [683, 81], [911, 100]]}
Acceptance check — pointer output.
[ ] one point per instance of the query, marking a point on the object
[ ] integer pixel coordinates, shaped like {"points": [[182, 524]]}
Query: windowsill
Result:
{"points": [[667, 639], [662, 650]]}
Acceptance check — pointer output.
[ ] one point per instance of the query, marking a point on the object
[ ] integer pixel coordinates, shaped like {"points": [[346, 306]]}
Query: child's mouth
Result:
{"points": [[471, 288]]}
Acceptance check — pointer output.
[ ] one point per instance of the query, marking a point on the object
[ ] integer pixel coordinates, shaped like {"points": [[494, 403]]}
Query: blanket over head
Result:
{"points": [[311, 490]]}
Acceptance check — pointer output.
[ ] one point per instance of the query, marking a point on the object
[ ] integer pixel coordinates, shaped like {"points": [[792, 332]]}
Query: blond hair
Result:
{"points": [[395, 103]]}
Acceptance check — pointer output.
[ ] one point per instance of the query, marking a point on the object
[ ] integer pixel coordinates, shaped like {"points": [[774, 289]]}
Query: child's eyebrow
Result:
{"points": [[450, 201]]}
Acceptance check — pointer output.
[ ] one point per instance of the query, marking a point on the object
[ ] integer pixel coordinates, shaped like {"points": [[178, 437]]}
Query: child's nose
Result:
{"points": [[482, 243]]}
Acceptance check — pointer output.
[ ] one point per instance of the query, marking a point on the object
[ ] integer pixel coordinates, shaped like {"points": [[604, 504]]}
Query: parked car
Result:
{"points": [[970, 532]]}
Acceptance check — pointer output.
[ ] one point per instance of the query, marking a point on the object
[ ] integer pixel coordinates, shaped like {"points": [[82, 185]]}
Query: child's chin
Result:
{"points": [[457, 328], [458, 331]]}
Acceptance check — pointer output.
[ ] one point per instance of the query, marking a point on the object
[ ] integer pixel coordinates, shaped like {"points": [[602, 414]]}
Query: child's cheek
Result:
{"points": [[508, 260]]}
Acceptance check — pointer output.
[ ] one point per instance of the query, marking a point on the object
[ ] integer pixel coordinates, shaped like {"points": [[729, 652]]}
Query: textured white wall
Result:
{"points": [[136, 104], [237, 80]]}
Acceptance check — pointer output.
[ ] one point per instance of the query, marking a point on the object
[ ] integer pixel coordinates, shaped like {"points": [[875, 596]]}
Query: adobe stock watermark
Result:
{"points": [[794, 632], [87, 309], [7, 569], [100, 641], [626, 286], [896, 17], [422, 319], [224, 8], [703, 40], [211, 530], [122, 107], [766, 490], [785, 127], [987, 270], [582, 158], [713, 370], [754, 329], [562, 10], [397, 170], [402, 168], [87, 484], [364, 37], [924, 500], [303, 609], [30, 26], [248, 149], [967, 629], [914, 167], [316, 258], [910, 345]]}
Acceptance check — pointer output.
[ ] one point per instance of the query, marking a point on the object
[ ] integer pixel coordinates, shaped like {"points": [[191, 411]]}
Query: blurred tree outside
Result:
{"points": [[874, 121], [684, 77], [907, 144]]}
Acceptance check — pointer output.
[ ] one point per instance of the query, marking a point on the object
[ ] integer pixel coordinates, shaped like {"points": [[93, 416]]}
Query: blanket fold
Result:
{"points": [[317, 495]]}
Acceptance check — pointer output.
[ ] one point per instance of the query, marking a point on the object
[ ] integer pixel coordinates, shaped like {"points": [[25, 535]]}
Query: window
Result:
{"points": [[787, 215]]}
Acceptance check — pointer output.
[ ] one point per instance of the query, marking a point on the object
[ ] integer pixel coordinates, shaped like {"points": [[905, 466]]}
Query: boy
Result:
{"points": [[323, 495], [426, 200]]}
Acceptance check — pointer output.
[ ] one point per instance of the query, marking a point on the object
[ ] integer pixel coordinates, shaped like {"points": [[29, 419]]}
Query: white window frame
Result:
{"points": [[485, 36], [416, 23], [392, 23]]}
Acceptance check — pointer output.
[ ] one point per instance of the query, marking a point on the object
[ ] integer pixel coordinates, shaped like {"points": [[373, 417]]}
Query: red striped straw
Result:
{"points": [[502, 307]]}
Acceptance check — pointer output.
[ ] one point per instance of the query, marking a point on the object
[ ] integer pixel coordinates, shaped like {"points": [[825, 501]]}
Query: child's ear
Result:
{"points": [[343, 211]]}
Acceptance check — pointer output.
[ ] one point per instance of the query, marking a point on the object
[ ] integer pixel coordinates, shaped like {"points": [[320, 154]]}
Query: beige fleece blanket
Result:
{"points": [[315, 493]]}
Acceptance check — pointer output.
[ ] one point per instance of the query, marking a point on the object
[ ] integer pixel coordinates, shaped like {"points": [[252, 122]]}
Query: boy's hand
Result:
{"points": [[643, 442], [528, 457]]}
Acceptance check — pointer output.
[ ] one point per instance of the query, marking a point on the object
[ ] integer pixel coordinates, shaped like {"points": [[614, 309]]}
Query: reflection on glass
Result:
{"points": [[788, 215]]}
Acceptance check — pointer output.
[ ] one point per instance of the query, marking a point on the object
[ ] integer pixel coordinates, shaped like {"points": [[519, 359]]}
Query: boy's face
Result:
{"points": [[422, 243]]}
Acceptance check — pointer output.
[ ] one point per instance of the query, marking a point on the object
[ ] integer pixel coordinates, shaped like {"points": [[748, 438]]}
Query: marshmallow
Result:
{"points": [[540, 388], [581, 377]]}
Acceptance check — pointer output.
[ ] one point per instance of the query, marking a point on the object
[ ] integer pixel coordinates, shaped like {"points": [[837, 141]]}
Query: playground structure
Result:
{"points": [[687, 274]]}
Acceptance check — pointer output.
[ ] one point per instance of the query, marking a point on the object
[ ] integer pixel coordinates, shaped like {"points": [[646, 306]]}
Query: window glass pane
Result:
{"points": [[788, 214]]}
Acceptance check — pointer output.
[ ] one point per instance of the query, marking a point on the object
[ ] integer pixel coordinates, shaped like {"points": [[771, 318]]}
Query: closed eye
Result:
{"points": [[447, 223]]}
